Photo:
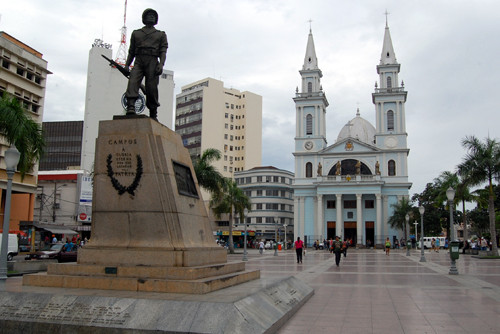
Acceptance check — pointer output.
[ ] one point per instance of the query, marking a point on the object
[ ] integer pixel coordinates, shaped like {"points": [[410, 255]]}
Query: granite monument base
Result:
{"points": [[150, 228], [254, 307]]}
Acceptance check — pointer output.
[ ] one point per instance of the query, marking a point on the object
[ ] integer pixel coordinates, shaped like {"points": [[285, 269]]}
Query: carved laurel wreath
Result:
{"points": [[117, 185]]}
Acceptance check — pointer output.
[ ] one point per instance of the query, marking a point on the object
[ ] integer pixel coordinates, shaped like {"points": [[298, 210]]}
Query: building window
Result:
{"points": [[226, 126], [259, 220], [309, 124], [390, 120], [226, 115], [350, 204], [5, 64], [20, 71], [391, 167], [309, 169], [276, 179], [259, 192], [389, 82], [330, 204], [309, 87], [225, 136], [259, 178], [248, 180], [258, 206], [350, 215], [369, 204]]}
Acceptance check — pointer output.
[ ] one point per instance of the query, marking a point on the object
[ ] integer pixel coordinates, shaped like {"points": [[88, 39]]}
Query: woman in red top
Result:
{"points": [[299, 245]]}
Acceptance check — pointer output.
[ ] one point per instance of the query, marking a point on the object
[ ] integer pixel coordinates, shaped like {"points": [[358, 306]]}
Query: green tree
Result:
{"points": [[231, 200], [208, 176], [17, 127], [462, 194], [481, 164], [435, 216], [401, 209]]}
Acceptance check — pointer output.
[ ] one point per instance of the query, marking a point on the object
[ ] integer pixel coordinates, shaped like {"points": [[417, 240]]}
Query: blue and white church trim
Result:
{"points": [[348, 188]]}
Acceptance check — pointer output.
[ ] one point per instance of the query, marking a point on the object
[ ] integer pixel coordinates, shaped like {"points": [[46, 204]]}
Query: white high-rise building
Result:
{"points": [[208, 115], [105, 90]]}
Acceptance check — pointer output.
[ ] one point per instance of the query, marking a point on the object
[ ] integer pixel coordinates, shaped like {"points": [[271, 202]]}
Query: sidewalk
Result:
{"points": [[374, 293], [369, 293]]}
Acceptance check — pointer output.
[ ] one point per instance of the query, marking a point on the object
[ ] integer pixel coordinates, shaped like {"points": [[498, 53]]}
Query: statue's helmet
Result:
{"points": [[146, 12]]}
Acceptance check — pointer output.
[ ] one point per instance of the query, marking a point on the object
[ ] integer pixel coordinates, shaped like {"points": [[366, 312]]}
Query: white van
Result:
{"points": [[12, 246], [428, 242]]}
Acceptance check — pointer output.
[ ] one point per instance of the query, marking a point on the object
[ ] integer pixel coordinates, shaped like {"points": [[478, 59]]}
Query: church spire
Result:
{"points": [[388, 57], [310, 60]]}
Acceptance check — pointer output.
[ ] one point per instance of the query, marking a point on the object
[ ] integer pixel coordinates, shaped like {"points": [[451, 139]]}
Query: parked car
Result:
{"points": [[11, 246], [55, 252]]}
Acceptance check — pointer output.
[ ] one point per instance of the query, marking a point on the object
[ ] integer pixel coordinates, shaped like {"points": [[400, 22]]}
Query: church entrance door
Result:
{"points": [[350, 232], [330, 233], [370, 233]]}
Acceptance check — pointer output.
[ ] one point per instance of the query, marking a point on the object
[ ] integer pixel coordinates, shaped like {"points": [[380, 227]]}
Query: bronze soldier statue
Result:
{"points": [[148, 47]]}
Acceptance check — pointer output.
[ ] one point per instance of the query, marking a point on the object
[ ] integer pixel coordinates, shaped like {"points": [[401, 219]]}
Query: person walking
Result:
{"points": [[299, 246], [387, 246], [437, 244], [337, 249], [261, 247]]}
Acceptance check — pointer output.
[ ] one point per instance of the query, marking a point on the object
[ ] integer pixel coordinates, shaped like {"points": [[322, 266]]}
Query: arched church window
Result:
{"points": [[309, 87], [309, 124], [309, 169], [389, 82], [391, 167], [390, 120]]}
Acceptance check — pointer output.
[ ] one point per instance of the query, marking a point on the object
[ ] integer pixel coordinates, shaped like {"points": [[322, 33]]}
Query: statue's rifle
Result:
{"points": [[122, 70]]}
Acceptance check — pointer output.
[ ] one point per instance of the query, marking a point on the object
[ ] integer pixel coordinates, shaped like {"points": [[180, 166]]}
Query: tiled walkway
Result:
{"points": [[374, 293], [369, 293]]}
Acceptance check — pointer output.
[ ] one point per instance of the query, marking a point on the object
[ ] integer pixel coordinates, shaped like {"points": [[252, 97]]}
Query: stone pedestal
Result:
{"points": [[147, 213]]}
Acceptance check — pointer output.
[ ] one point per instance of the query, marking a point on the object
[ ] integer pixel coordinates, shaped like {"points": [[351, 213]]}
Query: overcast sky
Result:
{"points": [[448, 51]]}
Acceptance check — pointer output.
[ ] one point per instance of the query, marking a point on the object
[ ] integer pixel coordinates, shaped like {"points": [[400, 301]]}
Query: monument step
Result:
{"points": [[153, 272], [195, 286]]}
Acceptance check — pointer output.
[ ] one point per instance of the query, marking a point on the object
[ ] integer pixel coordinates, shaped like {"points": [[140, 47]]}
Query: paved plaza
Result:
{"points": [[374, 293], [369, 293]]}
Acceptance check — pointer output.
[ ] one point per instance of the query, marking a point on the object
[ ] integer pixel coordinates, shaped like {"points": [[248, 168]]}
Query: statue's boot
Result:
{"points": [[153, 113], [130, 106]]}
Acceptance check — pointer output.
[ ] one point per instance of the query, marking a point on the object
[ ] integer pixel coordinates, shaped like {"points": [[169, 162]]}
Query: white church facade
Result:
{"points": [[347, 189]]}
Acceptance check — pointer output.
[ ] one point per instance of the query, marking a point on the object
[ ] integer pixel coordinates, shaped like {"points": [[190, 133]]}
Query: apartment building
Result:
{"points": [[23, 75], [208, 115], [271, 194]]}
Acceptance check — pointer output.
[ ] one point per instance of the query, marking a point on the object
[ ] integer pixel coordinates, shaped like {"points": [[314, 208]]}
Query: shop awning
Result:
{"points": [[57, 229]]}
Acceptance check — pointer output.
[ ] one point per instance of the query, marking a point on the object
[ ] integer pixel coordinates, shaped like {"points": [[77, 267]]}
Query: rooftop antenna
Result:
{"points": [[121, 54]]}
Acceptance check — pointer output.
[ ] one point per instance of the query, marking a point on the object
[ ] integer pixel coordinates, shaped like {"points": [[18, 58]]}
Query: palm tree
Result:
{"points": [[208, 176], [17, 127], [398, 218], [482, 164], [231, 200], [462, 193]]}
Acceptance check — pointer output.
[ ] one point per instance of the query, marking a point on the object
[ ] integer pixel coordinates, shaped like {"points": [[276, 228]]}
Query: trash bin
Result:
{"points": [[454, 250], [408, 245]]}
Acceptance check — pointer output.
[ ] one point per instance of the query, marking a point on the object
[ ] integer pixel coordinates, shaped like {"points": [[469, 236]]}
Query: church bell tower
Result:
{"points": [[310, 105], [389, 99]]}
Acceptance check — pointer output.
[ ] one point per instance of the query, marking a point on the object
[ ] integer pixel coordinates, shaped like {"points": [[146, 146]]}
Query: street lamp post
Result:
{"points": [[416, 232], [245, 237], [450, 193], [421, 209], [407, 217], [12, 156], [285, 243], [275, 237]]}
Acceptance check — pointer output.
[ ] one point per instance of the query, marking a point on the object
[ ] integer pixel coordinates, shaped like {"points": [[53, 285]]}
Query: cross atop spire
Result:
{"points": [[386, 15], [310, 25]]}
